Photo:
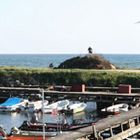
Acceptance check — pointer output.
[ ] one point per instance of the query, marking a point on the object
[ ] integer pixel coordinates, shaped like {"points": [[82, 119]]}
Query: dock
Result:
{"points": [[131, 118]]}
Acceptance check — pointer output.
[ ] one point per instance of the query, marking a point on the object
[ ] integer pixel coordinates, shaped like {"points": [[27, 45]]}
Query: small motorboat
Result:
{"points": [[29, 131], [56, 107], [75, 108], [12, 104], [50, 127], [33, 106], [115, 109]]}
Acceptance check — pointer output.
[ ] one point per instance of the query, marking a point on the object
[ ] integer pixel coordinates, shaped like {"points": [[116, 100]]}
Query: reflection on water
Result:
{"points": [[9, 120]]}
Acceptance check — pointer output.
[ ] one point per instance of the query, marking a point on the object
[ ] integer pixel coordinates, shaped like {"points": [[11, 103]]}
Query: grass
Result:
{"points": [[46, 76]]}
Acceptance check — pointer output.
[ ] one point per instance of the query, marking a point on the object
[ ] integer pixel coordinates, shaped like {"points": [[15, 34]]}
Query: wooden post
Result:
{"points": [[42, 91], [94, 131], [138, 122], [121, 127], [111, 132], [129, 123]]}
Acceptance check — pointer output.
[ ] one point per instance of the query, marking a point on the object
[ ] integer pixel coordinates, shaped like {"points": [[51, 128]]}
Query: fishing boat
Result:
{"points": [[12, 104], [51, 129], [115, 109], [56, 107], [30, 131], [33, 106], [75, 108]]}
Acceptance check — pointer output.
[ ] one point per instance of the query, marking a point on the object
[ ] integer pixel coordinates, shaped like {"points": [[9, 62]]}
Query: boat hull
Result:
{"points": [[114, 110], [75, 108], [24, 137], [56, 107]]}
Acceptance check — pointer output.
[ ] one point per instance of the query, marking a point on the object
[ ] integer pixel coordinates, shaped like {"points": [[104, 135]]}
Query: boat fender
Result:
{"points": [[14, 130]]}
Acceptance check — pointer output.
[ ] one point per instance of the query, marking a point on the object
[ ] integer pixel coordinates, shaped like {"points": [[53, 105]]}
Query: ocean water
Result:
{"points": [[43, 60]]}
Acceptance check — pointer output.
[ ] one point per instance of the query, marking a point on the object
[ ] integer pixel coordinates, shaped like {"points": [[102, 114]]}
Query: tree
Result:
{"points": [[90, 50]]}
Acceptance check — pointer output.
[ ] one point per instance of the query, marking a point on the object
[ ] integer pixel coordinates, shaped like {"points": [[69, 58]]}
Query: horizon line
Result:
{"points": [[66, 53]]}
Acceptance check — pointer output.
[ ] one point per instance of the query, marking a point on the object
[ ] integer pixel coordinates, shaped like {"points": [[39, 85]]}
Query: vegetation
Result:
{"points": [[89, 61], [11, 76]]}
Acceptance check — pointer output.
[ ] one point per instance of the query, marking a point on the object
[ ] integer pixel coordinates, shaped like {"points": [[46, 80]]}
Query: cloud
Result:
{"points": [[137, 22]]}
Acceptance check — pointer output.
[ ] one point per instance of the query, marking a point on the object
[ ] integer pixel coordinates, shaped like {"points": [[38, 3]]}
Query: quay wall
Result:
{"points": [[15, 76]]}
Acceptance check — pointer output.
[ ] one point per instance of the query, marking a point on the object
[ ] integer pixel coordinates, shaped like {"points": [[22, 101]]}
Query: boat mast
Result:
{"points": [[42, 91]]}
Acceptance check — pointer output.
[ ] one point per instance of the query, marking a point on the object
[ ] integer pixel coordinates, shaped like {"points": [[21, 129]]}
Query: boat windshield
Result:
{"points": [[123, 106], [62, 103]]}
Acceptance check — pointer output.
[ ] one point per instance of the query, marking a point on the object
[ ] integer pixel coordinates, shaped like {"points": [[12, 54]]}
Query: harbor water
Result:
{"points": [[15, 119]]}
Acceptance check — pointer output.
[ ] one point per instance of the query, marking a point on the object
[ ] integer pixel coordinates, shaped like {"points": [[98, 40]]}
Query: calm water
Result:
{"points": [[43, 60], [9, 120]]}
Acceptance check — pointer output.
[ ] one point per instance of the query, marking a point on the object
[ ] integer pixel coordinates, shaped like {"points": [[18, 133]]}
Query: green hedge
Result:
{"points": [[12, 76]]}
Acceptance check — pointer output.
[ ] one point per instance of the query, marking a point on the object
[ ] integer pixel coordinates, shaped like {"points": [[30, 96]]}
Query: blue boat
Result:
{"points": [[12, 104]]}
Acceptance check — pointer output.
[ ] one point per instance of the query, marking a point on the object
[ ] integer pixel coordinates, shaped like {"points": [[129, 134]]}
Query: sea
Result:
{"points": [[131, 61]]}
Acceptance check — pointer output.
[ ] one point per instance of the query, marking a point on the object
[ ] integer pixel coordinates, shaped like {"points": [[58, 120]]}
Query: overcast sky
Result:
{"points": [[69, 26]]}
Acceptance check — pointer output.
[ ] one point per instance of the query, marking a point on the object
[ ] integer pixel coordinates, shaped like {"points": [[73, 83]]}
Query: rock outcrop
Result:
{"points": [[90, 61]]}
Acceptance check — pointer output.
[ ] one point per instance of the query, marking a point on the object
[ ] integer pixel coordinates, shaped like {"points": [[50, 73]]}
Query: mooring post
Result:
{"points": [[121, 127], [138, 122], [94, 131], [42, 91], [111, 132], [129, 123]]}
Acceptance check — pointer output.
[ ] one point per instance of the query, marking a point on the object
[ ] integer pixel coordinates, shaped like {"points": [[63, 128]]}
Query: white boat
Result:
{"points": [[12, 104], [33, 106], [115, 109], [56, 107], [76, 107]]}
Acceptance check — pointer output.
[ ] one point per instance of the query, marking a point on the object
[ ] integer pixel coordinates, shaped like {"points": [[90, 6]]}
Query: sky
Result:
{"points": [[69, 26]]}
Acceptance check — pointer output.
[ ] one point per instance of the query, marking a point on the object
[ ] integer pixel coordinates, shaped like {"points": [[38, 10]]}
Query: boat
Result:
{"points": [[75, 108], [33, 106], [3, 133], [56, 107], [115, 109], [12, 104], [28, 126], [25, 137], [33, 131]]}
